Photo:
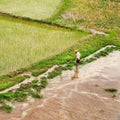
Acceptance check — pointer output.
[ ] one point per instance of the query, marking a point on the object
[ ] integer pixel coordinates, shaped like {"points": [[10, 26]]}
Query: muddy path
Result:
{"points": [[77, 95]]}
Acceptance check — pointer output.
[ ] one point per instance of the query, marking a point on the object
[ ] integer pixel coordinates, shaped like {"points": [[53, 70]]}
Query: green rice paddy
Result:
{"points": [[24, 43], [36, 9]]}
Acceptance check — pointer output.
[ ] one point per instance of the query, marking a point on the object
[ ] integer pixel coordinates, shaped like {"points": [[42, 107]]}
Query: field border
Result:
{"points": [[43, 22]]}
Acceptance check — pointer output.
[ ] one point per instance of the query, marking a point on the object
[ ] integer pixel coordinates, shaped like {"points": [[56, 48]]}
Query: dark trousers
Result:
{"points": [[77, 60]]}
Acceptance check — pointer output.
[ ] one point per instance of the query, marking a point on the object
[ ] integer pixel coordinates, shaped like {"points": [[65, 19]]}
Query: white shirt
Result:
{"points": [[78, 55]]}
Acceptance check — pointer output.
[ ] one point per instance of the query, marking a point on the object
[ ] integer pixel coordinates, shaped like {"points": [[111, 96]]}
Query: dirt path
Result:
{"points": [[77, 95], [94, 31]]}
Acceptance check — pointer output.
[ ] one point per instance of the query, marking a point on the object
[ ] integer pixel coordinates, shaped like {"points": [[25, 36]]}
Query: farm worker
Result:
{"points": [[78, 56]]}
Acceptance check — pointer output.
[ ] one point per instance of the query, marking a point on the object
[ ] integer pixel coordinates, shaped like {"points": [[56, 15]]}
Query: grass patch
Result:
{"points": [[13, 96], [105, 52], [112, 90], [38, 72], [53, 74], [7, 108], [21, 94], [70, 65], [6, 96], [4, 77], [12, 81], [102, 53], [34, 81], [44, 82], [57, 71], [35, 95], [65, 4], [88, 60]]}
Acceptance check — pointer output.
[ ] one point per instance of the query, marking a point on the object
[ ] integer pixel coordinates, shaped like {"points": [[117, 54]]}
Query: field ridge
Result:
{"points": [[53, 24]]}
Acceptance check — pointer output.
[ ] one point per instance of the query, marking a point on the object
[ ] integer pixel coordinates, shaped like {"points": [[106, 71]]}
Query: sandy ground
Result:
{"points": [[77, 95]]}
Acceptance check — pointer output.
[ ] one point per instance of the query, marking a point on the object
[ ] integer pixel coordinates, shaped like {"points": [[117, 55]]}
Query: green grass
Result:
{"points": [[35, 95], [57, 71], [35, 9], [5, 83], [38, 72], [6, 107], [44, 82], [21, 94], [65, 4], [23, 43], [112, 90], [102, 53], [99, 14]]}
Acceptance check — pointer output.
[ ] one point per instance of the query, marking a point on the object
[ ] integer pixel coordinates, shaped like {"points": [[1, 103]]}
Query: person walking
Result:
{"points": [[77, 60], [78, 56]]}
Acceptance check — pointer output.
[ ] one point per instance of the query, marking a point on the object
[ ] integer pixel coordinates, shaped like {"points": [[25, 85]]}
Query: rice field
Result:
{"points": [[23, 43], [36, 9], [98, 14]]}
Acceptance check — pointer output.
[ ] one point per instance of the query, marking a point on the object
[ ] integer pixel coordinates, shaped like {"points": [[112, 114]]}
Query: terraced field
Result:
{"points": [[36, 9], [36, 35], [27, 42], [23, 43], [97, 14]]}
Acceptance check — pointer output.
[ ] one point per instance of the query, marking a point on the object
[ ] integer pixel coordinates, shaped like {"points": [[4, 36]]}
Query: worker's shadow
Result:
{"points": [[76, 72]]}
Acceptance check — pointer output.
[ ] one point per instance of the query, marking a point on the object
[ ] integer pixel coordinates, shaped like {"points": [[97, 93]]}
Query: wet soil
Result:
{"points": [[77, 95]]}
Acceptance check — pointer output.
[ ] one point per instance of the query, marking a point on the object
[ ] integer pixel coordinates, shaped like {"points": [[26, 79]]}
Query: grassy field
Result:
{"points": [[36, 9], [23, 43], [98, 14]]}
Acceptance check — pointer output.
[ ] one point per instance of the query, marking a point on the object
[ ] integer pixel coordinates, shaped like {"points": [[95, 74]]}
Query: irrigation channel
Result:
{"points": [[77, 94]]}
